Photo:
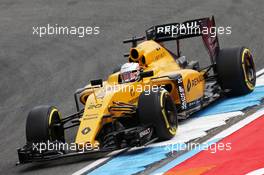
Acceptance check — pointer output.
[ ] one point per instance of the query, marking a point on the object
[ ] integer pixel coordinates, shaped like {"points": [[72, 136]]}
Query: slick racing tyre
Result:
{"points": [[43, 124], [158, 109], [236, 71]]}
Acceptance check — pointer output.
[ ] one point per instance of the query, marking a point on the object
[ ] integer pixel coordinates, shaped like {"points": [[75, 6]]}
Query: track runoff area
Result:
{"points": [[227, 136]]}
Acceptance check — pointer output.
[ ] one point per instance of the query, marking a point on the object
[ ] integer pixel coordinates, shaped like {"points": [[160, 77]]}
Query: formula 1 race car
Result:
{"points": [[141, 102]]}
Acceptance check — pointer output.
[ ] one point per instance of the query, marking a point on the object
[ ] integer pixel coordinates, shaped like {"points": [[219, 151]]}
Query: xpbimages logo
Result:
{"points": [[211, 147], [79, 31], [192, 28], [60, 146]]}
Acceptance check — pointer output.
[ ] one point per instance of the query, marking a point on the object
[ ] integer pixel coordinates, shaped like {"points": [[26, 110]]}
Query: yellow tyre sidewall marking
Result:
{"points": [[172, 130], [51, 116], [248, 83]]}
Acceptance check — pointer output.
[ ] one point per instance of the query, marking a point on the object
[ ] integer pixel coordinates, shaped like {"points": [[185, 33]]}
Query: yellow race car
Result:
{"points": [[142, 101]]}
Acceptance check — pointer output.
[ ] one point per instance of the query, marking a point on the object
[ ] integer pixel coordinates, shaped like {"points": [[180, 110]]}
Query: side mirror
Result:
{"points": [[146, 74], [97, 82]]}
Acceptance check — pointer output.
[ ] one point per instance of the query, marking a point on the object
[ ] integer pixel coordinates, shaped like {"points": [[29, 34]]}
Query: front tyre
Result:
{"points": [[158, 109], [236, 71], [43, 124]]}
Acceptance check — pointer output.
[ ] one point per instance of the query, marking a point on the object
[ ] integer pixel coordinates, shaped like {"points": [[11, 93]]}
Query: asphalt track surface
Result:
{"points": [[47, 70]]}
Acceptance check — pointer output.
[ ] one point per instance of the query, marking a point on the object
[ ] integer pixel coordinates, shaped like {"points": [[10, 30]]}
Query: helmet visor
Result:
{"points": [[130, 76]]}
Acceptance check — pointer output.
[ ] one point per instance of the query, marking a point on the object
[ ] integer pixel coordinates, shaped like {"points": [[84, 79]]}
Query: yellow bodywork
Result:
{"points": [[152, 57]]}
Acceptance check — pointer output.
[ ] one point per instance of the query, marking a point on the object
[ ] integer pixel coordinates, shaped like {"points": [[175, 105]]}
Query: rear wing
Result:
{"points": [[204, 27]]}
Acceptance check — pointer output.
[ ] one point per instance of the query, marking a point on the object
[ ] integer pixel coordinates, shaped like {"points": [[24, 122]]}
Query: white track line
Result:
{"points": [[257, 172], [238, 125], [260, 72], [97, 162]]}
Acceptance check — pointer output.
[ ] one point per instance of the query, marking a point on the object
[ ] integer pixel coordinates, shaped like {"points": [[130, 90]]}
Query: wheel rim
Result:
{"points": [[170, 114], [249, 69], [56, 130]]}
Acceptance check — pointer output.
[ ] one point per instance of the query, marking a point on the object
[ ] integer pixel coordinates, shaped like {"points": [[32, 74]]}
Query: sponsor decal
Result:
{"points": [[90, 116], [194, 103], [181, 93], [194, 82], [144, 132], [86, 130], [171, 29], [92, 106]]}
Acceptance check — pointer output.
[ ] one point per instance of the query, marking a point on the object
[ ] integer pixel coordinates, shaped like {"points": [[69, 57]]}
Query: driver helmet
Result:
{"points": [[130, 72]]}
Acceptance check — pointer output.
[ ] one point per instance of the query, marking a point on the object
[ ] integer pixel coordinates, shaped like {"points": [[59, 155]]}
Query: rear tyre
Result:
{"points": [[158, 109], [43, 124], [236, 71]]}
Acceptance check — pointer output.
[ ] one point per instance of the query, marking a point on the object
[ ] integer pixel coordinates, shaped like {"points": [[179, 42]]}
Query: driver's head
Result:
{"points": [[130, 72]]}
